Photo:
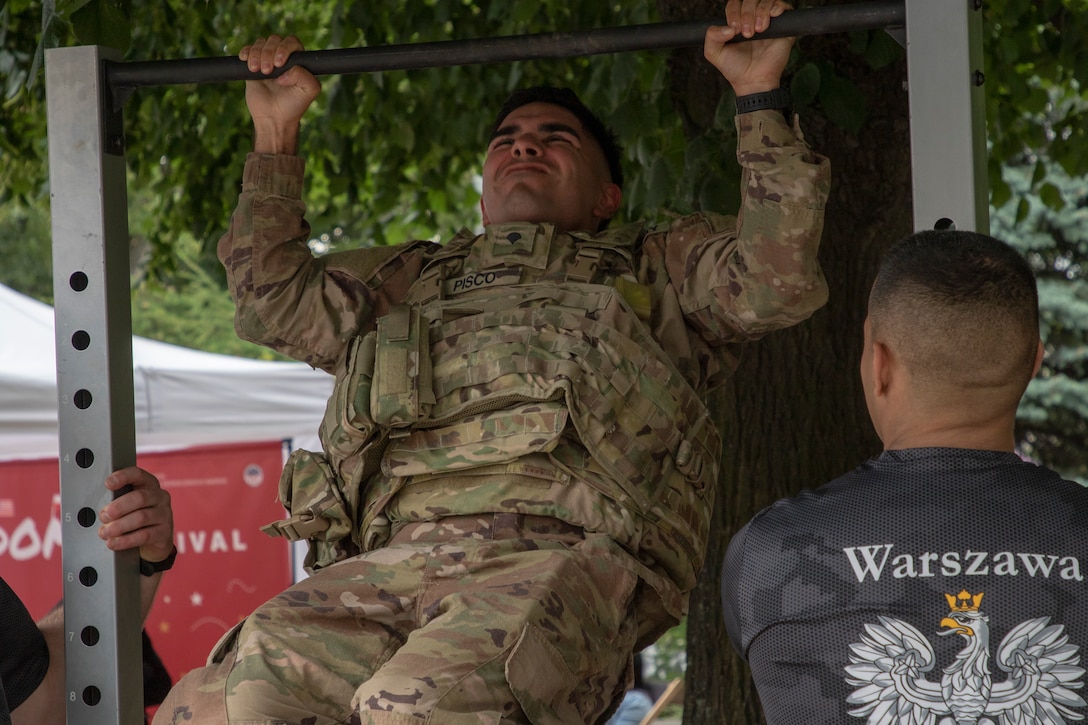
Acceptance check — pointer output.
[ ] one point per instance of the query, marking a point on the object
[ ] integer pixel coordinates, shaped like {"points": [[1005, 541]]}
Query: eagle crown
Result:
{"points": [[964, 601]]}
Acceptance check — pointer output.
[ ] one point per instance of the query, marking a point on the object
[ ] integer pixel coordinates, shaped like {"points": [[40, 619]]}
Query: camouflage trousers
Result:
{"points": [[464, 620]]}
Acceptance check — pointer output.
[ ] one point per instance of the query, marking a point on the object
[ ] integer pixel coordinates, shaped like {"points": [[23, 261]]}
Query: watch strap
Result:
{"points": [[147, 568], [778, 99]]}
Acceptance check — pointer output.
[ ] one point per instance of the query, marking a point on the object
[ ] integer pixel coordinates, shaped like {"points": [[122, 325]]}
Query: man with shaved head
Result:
{"points": [[944, 580], [969, 341]]}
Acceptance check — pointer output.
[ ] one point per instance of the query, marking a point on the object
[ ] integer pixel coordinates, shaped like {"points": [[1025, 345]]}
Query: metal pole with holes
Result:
{"points": [[94, 385]]}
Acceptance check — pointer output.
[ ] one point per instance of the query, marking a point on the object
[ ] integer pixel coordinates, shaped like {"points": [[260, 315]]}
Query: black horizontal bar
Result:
{"points": [[872, 15]]}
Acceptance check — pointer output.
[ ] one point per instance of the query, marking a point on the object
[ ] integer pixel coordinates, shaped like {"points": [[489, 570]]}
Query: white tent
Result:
{"points": [[182, 397]]}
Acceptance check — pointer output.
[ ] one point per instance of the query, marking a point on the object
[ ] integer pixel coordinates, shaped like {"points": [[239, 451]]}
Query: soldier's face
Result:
{"points": [[542, 166]]}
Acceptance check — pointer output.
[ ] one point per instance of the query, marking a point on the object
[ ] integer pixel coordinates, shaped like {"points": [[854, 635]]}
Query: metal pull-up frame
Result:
{"points": [[86, 88]]}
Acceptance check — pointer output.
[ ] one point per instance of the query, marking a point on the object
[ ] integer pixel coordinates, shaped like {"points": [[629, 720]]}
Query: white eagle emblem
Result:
{"points": [[889, 666]]}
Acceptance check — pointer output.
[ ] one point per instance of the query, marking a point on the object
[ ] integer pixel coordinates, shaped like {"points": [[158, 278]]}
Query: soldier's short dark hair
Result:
{"points": [[568, 99]]}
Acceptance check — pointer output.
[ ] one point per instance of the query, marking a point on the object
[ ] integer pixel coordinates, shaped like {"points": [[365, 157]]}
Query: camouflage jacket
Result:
{"points": [[697, 286]]}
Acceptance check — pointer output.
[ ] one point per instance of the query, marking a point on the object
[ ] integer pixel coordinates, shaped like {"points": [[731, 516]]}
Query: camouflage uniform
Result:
{"points": [[518, 469]]}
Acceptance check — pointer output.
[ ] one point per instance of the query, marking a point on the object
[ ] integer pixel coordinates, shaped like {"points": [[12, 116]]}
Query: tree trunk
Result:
{"points": [[794, 415]]}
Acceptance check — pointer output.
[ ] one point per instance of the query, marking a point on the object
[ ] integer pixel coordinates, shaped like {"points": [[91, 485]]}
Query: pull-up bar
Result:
{"points": [[872, 15]]}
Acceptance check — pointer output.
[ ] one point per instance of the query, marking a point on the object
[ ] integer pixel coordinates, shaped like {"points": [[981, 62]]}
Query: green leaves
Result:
{"points": [[805, 85], [1046, 218], [877, 48], [100, 22], [841, 101], [66, 8]]}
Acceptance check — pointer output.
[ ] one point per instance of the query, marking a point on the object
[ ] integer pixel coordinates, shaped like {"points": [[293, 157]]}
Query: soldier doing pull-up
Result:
{"points": [[518, 467]]}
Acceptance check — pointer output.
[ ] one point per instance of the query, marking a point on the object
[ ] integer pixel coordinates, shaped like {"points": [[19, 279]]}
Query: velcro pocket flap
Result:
{"points": [[401, 392]]}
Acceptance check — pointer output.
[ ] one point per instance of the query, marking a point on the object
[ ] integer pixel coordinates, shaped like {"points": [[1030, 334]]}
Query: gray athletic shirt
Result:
{"points": [[929, 583]]}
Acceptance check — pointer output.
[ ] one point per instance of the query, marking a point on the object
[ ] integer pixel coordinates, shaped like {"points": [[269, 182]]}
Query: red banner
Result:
{"points": [[221, 496]]}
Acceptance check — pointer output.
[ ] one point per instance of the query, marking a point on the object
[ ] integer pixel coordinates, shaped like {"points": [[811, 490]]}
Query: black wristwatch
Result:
{"points": [[778, 99], [147, 568]]}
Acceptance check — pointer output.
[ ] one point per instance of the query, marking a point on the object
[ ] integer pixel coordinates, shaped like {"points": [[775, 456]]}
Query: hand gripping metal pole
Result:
{"points": [[104, 675]]}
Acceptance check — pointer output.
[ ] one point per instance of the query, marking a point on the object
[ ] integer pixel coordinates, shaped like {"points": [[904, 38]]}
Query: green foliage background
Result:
{"points": [[1052, 416], [390, 155]]}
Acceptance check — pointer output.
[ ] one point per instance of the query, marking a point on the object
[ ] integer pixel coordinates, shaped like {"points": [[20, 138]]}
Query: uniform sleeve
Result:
{"points": [[24, 656], [306, 307], [741, 278]]}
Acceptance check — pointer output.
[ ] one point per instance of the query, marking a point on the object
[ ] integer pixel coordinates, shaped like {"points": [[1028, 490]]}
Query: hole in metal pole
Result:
{"points": [[944, 224], [82, 399], [86, 517], [89, 636], [92, 695], [84, 458], [78, 281], [81, 340], [88, 576]]}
